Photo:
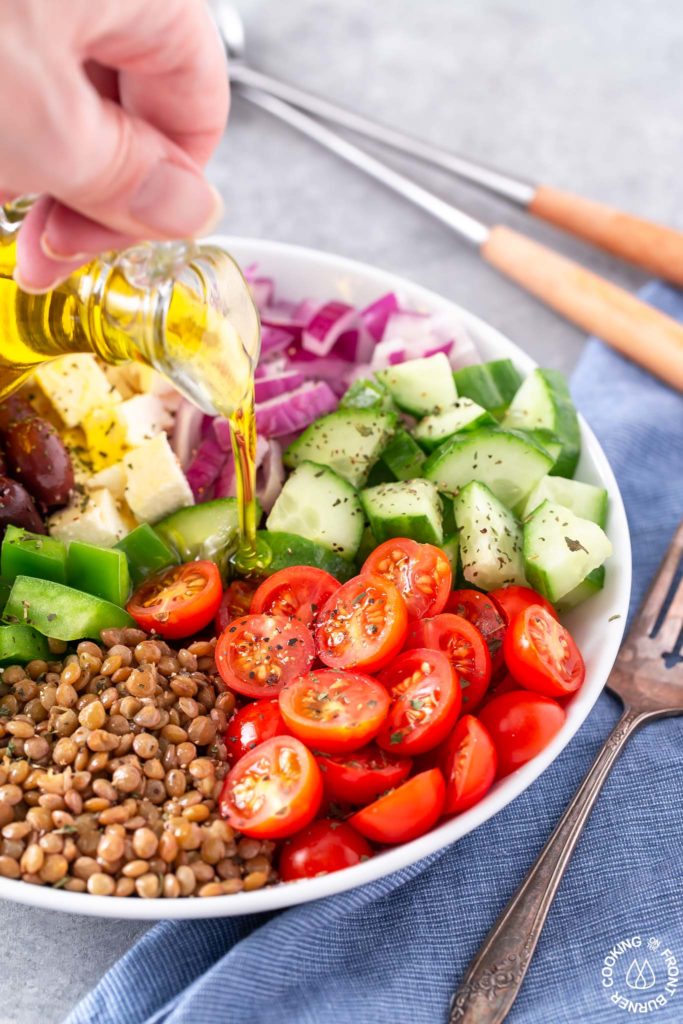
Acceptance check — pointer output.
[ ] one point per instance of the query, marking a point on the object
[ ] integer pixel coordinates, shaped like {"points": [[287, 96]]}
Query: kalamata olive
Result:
{"points": [[36, 456], [14, 409], [17, 507], [3, 463]]}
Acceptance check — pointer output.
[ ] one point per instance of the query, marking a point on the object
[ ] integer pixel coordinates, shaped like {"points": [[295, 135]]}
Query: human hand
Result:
{"points": [[110, 112]]}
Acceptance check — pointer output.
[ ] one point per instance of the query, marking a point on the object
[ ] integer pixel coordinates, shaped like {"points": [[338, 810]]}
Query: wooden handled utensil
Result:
{"points": [[599, 307], [654, 247]]}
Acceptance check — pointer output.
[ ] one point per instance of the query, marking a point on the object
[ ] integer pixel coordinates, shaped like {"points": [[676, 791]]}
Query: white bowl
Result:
{"points": [[597, 626]]}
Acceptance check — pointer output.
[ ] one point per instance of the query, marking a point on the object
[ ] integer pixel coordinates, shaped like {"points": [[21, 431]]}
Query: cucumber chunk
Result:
{"points": [[492, 385], [544, 401], [287, 550], [509, 463], [451, 549], [318, 504], [561, 549], [584, 500], [490, 539], [207, 531], [368, 543], [464, 414], [367, 394], [421, 386], [544, 439], [408, 508], [349, 441], [593, 584], [403, 457]]}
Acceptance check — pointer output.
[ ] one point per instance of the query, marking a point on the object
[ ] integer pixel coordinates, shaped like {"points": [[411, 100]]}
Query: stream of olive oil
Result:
{"points": [[202, 353]]}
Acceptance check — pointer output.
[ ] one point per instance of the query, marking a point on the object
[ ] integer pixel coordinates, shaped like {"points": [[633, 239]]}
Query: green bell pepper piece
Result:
{"points": [[62, 612], [5, 587], [146, 552], [20, 644], [99, 571], [32, 554]]}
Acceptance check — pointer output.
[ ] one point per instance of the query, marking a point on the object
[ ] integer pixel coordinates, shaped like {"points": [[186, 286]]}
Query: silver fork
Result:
{"points": [[648, 678]]}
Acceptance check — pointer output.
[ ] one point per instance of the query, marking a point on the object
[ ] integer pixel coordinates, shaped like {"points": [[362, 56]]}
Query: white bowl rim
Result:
{"points": [[392, 860]]}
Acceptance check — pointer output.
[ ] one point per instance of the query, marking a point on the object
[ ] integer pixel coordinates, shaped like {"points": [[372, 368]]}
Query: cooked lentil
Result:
{"points": [[111, 764]]}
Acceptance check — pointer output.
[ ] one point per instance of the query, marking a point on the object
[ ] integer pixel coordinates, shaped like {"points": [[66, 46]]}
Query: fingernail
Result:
{"points": [[82, 257], [176, 201]]}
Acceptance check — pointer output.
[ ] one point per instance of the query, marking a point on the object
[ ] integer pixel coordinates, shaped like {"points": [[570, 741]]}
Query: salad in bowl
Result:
{"points": [[445, 587]]}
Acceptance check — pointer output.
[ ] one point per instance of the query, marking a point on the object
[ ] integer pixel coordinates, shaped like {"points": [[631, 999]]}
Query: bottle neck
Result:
{"points": [[182, 307], [186, 310]]}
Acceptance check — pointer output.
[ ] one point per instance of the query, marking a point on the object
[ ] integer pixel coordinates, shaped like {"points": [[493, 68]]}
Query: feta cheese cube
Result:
{"points": [[155, 483], [92, 519], [113, 478], [112, 430], [76, 385], [142, 418]]}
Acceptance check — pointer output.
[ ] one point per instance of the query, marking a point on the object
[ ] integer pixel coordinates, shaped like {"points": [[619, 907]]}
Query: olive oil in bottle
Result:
{"points": [[183, 308]]}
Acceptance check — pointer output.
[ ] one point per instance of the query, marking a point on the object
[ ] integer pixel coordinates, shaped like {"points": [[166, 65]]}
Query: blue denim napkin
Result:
{"points": [[392, 952]]}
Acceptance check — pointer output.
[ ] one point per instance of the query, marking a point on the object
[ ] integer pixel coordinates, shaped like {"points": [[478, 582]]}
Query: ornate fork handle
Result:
{"points": [[495, 976]]}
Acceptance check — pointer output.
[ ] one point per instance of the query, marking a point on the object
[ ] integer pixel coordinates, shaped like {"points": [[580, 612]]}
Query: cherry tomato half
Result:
{"points": [[363, 775], [464, 647], [425, 701], [322, 847], [363, 625], [513, 599], [297, 593], [485, 614], [235, 603], [334, 711], [273, 791], [420, 571], [258, 654], [469, 765], [520, 724], [253, 724], [542, 655], [179, 601], [404, 813]]}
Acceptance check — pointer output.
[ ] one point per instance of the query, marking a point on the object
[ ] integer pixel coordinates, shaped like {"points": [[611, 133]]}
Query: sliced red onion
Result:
{"points": [[221, 433], [406, 326], [262, 290], [270, 387], [270, 477], [226, 483], [187, 432], [376, 315], [205, 468], [295, 410], [328, 368], [328, 325], [275, 339]]}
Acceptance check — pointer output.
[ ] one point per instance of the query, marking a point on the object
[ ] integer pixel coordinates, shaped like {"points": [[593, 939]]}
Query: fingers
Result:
{"points": [[35, 271], [128, 109], [179, 83]]}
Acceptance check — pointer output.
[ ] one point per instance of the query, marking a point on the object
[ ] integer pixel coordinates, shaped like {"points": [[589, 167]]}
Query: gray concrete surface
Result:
{"points": [[586, 96]]}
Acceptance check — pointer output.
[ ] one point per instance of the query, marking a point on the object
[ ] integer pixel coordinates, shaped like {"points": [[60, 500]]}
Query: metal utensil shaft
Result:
{"points": [[472, 230], [515, 189]]}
